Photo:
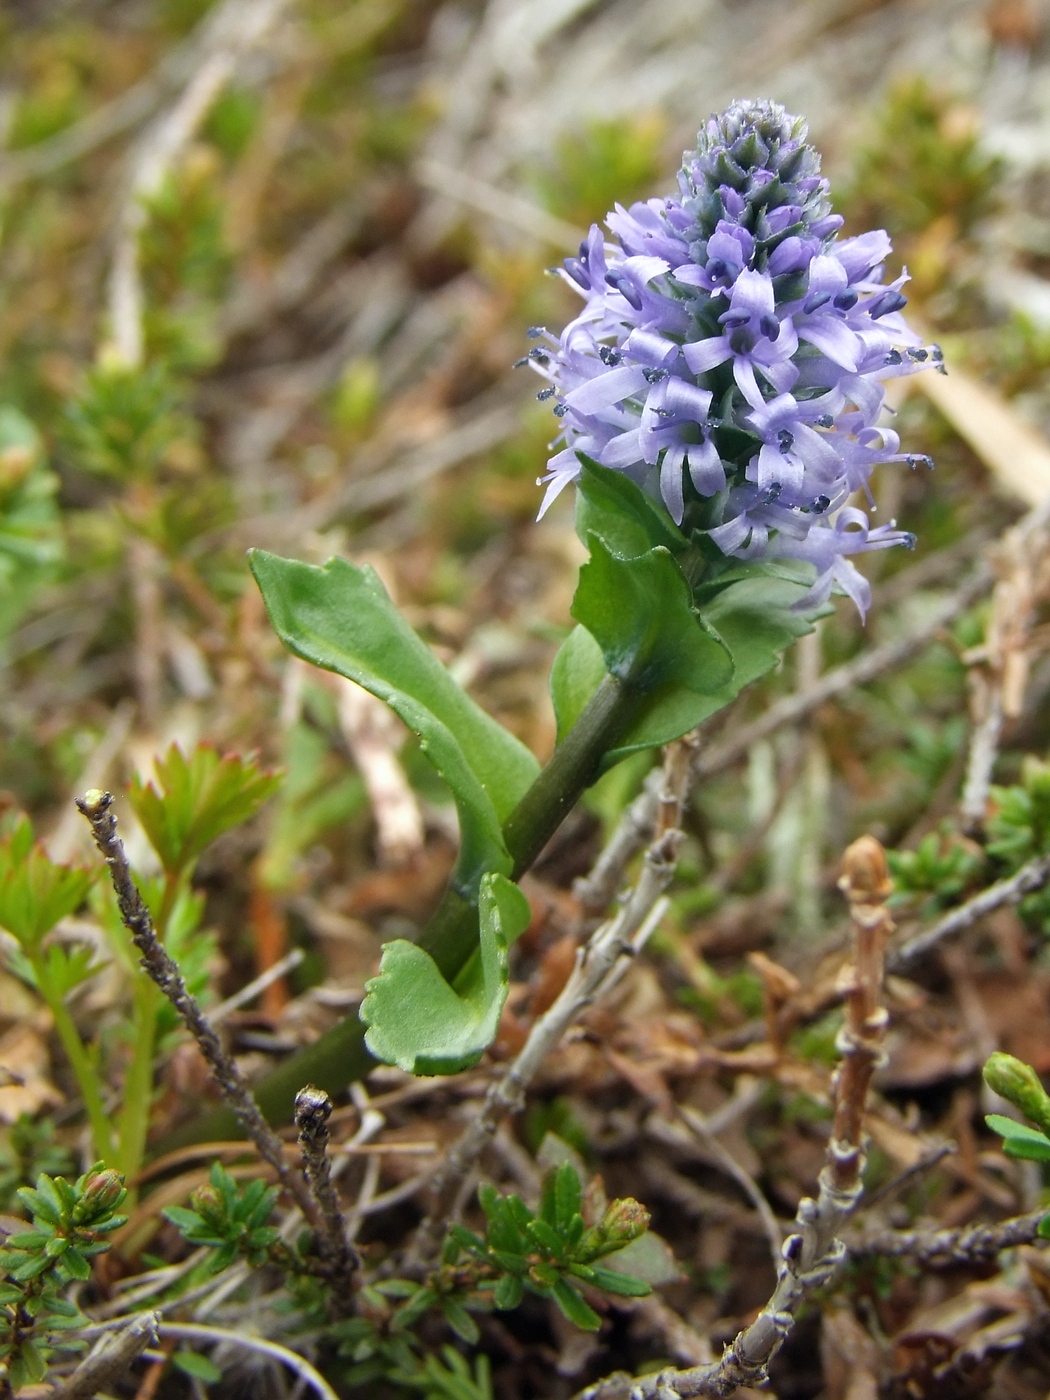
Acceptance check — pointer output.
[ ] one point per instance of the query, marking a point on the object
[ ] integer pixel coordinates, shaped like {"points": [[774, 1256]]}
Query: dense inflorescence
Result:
{"points": [[731, 352]]}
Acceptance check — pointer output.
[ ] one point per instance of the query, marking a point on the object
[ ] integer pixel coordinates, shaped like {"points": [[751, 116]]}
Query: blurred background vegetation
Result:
{"points": [[265, 268]]}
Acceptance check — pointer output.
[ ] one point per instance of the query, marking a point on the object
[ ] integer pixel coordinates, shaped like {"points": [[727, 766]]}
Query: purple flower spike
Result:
{"points": [[731, 353]]}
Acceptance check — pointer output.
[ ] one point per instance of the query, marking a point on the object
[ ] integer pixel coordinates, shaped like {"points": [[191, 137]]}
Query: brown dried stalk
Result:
{"points": [[814, 1253], [162, 968]]}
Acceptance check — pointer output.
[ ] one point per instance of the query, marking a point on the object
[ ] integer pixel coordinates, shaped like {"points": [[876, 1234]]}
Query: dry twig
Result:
{"points": [[1000, 667], [313, 1108], [161, 967], [813, 1255], [1032, 876], [865, 667], [243, 25], [969, 1244], [109, 1359]]}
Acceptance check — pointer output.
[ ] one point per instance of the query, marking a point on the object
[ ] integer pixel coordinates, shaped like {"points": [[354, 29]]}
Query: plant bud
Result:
{"points": [[625, 1221], [208, 1203], [1019, 1084], [865, 873], [103, 1190]]}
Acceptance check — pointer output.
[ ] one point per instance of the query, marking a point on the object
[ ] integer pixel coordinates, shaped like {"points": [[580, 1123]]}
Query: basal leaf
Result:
{"points": [[417, 1021], [341, 618], [195, 798]]}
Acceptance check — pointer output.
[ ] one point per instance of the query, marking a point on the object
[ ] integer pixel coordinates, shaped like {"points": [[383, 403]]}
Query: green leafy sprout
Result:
{"points": [[70, 1222]]}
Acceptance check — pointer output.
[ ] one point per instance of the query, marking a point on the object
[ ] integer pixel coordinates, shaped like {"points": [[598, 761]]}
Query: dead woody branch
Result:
{"points": [[313, 1108], [161, 967], [969, 1244], [814, 1253], [109, 1359]]}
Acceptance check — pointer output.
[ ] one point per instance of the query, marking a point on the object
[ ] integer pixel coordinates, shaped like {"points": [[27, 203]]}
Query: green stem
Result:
{"points": [[86, 1075], [133, 1124], [340, 1056]]}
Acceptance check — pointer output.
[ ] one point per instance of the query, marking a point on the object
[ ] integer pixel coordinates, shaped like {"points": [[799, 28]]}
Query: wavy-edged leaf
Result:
{"points": [[753, 616], [340, 617], [640, 613], [417, 1021]]}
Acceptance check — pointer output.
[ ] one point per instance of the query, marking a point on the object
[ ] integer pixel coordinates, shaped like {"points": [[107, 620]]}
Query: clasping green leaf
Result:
{"points": [[421, 1024]]}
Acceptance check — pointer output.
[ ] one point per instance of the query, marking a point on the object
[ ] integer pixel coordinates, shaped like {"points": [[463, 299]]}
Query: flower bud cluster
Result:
{"points": [[731, 353]]}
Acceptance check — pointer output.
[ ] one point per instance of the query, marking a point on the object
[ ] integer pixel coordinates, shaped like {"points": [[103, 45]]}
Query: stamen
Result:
{"points": [[886, 304], [621, 283]]}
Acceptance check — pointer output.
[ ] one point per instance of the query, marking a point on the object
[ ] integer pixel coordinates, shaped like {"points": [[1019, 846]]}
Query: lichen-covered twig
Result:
{"points": [[596, 890], [969, 1244], [1031, 876], [97, 808], [814, 1253], [109, 1359], [313, 1108], [597, 966]]}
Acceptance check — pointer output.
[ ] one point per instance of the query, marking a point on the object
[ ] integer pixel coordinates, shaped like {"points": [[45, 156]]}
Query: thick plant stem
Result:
{"points": [[340, 1056], [572, 768]]}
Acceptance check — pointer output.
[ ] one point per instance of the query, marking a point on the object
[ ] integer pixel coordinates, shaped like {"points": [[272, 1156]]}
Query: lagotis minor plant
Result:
{"points": [[718, 398], [731, 353]]}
